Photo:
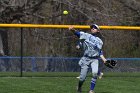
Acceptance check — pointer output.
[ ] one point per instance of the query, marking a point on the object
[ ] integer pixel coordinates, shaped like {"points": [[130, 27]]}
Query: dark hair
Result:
{"points": [[99, 34]]}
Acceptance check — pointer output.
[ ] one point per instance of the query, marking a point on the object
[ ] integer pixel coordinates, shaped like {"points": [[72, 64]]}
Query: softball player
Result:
{"points": [[92, 46]]}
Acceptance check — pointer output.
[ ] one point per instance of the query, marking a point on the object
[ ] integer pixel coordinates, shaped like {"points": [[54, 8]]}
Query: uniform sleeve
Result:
{"points": [[84, 35], [101, 52], [77, 33], [99, 44], [81, 34]]}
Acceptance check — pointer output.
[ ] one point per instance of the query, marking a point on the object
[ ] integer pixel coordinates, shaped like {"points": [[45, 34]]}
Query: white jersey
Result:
{"points": [[92, 45]]}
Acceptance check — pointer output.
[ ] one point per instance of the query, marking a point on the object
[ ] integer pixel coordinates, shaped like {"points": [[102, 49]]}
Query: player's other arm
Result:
{"points": [[102, 57], [108, 62]]}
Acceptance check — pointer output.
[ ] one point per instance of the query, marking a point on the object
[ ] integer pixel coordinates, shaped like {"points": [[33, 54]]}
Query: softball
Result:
{"points": [[65, 12]]}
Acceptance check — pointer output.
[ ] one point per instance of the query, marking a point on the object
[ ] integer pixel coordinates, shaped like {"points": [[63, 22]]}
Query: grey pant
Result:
{"points": [[85, 63]]}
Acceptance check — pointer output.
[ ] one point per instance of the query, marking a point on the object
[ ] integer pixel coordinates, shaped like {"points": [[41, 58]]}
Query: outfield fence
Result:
{"points": [[37, 48], [11, 66]]}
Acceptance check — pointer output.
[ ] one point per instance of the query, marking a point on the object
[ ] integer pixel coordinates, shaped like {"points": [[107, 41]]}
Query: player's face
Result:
{"points": [[94, 30]]}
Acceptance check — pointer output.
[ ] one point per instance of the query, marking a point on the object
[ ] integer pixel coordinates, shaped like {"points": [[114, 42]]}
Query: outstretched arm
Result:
{"points": [[71, 28], [76, 32]]}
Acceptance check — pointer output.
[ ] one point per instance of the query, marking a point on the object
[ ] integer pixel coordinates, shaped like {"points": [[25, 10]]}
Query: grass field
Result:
{"points": [[66, 83]]}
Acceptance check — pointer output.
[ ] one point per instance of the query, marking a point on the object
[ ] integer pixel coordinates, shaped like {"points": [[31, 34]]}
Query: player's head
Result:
{"points": [[94, 28]]}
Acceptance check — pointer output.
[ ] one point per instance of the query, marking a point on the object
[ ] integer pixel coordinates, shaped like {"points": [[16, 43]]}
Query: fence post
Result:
{"points": [[21, 51]]}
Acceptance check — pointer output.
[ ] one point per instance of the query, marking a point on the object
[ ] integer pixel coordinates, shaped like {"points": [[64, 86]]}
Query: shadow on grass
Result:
{"points": [[97, 92]]}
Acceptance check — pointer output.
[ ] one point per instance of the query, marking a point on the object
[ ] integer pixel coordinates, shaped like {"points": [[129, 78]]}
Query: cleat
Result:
{"points": [[91, 91], [79, 90], [101, 75], [78, 77]]}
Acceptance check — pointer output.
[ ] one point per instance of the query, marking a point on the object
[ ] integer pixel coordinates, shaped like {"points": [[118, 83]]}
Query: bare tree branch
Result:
{"points": [[132, 4]]}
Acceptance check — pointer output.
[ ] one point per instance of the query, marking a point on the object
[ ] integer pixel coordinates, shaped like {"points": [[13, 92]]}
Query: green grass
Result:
{"points": [[65, 74], [111, 83]]}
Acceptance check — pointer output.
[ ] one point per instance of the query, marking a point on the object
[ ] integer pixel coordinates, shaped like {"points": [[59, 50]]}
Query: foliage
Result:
{"points": [[60, 42]]}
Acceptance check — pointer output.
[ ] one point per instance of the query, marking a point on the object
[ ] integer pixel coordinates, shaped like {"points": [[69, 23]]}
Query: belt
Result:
{"points": [[94, 57]]}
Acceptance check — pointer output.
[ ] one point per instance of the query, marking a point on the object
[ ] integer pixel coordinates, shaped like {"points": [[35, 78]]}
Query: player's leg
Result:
{"points": [[100, 74], [83, 74], [94, 66]]}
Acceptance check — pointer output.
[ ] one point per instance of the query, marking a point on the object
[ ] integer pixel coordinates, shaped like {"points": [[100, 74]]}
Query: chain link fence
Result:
{"points": [[42, 50], [11, 66]]}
